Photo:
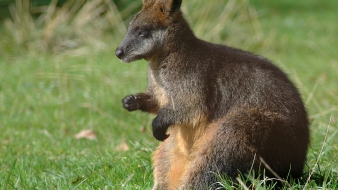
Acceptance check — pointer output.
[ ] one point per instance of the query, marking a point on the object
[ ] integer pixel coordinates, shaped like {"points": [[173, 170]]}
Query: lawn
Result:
{"points": [[48, 97]]}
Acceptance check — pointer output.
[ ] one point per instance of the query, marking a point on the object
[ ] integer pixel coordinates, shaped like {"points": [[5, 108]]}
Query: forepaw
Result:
{"points": [[160, 129], [130, 103]]}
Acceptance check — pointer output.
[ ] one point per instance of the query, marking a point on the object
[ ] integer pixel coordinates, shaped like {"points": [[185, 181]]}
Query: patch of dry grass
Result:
{"points": [[78, 27]]}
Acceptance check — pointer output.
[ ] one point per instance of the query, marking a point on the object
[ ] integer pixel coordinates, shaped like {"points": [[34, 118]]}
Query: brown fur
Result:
{"points": [[219, 110]]}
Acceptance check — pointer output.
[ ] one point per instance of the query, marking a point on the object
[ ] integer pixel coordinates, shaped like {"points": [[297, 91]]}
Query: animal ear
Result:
{"points": [[171, 6]]}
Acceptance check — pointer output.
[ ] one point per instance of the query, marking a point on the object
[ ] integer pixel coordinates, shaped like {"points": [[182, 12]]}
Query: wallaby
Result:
{"points": [[219, 110]]}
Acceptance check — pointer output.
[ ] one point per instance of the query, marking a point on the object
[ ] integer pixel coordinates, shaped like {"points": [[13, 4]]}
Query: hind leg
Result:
{"points": [[241, 139], [222, 155]]}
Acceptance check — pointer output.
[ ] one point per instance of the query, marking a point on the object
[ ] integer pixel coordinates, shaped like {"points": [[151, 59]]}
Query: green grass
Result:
{"points": [[46, 99]]}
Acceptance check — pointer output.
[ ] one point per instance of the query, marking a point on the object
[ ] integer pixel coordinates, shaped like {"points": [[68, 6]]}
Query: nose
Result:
{"points": [[119, 53]]}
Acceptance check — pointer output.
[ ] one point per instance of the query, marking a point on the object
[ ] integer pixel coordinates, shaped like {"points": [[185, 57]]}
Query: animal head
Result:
{"points": [[147, 31]]}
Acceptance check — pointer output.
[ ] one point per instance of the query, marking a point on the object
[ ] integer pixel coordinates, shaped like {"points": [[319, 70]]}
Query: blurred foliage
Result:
{"points": [[78, 26], [128, 7]]}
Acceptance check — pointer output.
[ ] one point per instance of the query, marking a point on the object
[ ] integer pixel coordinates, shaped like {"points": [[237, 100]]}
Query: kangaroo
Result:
{"points": [[219, 110]]}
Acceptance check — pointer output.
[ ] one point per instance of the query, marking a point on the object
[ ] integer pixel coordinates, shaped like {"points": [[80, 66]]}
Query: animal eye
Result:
{"points": [[143, 33]]}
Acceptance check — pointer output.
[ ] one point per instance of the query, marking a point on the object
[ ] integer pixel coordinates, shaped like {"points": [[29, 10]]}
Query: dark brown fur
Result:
{"points": [[219, 109]]}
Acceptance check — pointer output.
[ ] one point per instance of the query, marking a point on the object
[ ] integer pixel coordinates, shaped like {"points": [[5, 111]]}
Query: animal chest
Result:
{"points": [[156, 85]]}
